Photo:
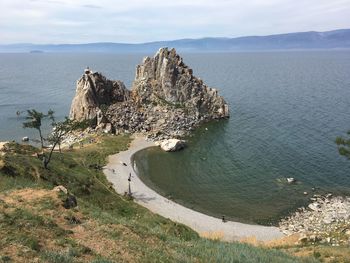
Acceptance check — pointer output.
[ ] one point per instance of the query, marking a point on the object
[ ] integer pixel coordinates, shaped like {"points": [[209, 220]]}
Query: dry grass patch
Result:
{"points": [[213, 235]]}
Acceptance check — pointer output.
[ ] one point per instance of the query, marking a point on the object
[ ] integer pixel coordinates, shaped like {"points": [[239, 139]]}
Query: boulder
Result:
{"points": [[172, 145], [108, 128], [70, 202], [291, 180], [60, 188]]}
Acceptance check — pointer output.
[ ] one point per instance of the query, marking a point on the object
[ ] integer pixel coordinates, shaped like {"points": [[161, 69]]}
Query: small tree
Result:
{"points": [[35, 119], [59, 131], [343, 146]]}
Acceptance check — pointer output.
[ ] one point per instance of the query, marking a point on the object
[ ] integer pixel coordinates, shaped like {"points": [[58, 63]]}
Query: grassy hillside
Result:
{"points": [[105, 227]]}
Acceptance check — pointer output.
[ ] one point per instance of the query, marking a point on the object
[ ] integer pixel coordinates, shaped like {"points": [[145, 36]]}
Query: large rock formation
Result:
{"points": [[95, 93], [166, 100], [165, 78]]}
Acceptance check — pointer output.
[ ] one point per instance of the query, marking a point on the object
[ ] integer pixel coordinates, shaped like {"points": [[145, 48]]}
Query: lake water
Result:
{"points": [[287, 108]]}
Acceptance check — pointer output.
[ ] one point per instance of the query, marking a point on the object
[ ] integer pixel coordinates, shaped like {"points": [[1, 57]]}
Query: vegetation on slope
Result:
{"points": [[105, 227]]}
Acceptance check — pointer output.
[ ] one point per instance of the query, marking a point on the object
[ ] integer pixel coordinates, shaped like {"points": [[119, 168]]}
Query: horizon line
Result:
{"points": [[172, 40]]}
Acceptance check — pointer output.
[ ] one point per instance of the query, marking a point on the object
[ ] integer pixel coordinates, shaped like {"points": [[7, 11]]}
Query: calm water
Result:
{"points": [[44, 81], [286, 110]]}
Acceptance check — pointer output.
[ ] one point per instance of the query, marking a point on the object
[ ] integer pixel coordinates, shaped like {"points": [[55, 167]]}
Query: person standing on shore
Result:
{"points": [[223, 219], [129, 180]]}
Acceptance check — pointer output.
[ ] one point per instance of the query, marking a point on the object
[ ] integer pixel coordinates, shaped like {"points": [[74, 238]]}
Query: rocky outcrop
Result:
{"points": [[166, 99], [172, 145], [325, 220], [166, 79], [94, 93]]}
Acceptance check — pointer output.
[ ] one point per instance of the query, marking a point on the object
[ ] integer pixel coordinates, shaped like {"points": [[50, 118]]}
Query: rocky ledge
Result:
{"points": [[325, 220], [166, 100]]}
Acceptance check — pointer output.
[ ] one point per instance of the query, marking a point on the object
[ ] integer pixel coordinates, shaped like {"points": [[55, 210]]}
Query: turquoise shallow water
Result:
{"points": [[286, 110]]}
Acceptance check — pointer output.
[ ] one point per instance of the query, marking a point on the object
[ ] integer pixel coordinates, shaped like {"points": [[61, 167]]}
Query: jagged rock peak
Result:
{"points": [[166, 100], [166, 78], [94, 91]]}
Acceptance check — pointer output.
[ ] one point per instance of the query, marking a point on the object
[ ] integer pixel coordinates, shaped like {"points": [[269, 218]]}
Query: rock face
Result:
{"points": [[172, 145], [166, 79], [94, 91], [166, 100]]}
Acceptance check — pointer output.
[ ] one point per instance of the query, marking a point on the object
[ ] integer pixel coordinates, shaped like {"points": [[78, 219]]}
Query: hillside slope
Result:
{"points": [[104, 227]]}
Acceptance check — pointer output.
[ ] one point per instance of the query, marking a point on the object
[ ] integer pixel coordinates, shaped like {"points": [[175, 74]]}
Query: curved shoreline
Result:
{"points": [[205, 225]]}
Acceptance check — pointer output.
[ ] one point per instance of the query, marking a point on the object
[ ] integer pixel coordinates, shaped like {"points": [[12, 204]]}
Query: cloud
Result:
{"points": [[60, 21], [91, 6]]}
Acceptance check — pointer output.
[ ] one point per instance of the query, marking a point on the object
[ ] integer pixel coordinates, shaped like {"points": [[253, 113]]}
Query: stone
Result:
{"points": [[328, 220], [291, 180], [60, 188], [314, 206], [172, 145], [70, 202], [108, 128]]}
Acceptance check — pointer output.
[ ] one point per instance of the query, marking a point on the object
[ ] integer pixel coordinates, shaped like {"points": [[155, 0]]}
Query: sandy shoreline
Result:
{"points": [[205, 225]]}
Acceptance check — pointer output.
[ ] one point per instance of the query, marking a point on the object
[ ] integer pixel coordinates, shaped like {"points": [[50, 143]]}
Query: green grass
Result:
{"points": [[145, 237]]}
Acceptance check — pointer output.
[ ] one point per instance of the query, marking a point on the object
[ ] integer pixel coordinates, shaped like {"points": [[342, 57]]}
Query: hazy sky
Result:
{"points": [[78, 21]]}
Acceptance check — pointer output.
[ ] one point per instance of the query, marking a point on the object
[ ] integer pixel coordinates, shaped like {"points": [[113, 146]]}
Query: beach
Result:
{"points": [[120, 167]]}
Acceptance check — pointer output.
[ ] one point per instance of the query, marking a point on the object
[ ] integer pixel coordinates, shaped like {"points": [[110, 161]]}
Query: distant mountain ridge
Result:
{"points": [[336, 39]]}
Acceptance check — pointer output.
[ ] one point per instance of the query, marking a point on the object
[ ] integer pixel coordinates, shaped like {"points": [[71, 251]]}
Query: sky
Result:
{"points": [[131, 21]]}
